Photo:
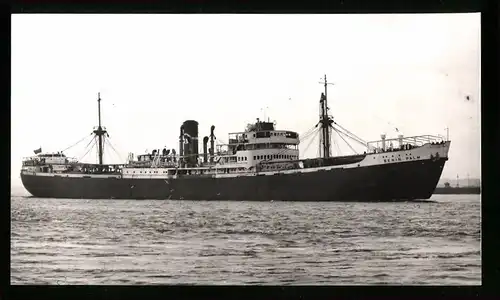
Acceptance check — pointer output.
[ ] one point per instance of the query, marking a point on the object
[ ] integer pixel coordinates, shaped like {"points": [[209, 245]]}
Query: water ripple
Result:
{"points": [[57, 241]]}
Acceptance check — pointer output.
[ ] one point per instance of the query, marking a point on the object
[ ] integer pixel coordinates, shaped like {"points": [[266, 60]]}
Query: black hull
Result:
{"points": [[389, 182]]}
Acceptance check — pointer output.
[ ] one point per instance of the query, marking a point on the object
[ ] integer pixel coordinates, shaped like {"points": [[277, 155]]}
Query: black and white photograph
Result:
{"points": [[245, 149]]}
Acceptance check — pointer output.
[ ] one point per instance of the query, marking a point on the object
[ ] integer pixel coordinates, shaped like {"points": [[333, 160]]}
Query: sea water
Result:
{"points": [[117, 242]]}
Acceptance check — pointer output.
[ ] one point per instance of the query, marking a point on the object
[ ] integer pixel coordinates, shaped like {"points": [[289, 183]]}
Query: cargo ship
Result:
{"points": [[259, 163]]}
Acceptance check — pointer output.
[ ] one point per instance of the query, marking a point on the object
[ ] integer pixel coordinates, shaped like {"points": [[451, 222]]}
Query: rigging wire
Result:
{"points": [[97, 152], [87, 151], [340, 135], [350, 135], [310, 143], [77, 142], [120, 154], [91, 140], [336, 145], [113, 148], [308, 133], [361, 142], [355, 137]]}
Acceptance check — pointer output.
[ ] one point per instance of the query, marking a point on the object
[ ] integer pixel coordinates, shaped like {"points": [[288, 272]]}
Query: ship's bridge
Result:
{"points": [[261, 142], [262, 133]]}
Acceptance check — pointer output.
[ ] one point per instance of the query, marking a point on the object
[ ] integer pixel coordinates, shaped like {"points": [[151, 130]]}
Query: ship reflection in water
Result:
{"points": [[124, 242]]}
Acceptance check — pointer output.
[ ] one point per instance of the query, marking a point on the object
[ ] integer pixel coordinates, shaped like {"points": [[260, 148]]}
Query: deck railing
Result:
{"points": [[401, 142], [35, 160]]}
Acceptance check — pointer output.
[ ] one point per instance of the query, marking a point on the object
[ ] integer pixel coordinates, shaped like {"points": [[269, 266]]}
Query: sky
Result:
{"points": [[411, 72]]}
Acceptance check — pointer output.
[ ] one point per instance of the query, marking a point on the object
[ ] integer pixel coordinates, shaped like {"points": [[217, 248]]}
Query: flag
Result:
{"points": [[39, 150]]}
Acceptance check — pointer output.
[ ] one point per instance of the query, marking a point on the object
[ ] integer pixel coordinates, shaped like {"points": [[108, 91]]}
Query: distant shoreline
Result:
{"points": [[469, 190]]}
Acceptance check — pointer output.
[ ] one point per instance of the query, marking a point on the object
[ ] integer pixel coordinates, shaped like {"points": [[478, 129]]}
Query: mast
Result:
{"points": [[325, 121], [100, 132]]}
